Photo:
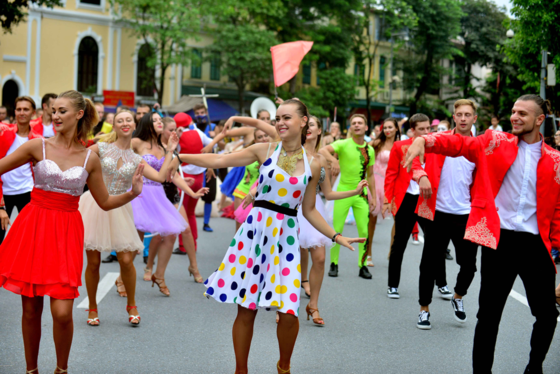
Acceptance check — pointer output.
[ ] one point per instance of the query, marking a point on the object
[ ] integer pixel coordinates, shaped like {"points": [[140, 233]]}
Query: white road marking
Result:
{"points": [[103, 288], [420, 238]]}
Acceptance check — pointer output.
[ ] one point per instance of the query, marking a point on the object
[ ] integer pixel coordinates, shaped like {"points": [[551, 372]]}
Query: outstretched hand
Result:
{"points": [[345, 242], [173, 142], [137, 181], [416, 149], [228, 125], [203, 191]]}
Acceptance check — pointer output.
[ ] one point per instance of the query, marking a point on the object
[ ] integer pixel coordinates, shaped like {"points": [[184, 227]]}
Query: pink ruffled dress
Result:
{"points": [[379, 170]]}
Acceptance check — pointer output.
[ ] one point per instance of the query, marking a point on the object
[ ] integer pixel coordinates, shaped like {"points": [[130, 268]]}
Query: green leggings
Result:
{"points": [[360, 207]]}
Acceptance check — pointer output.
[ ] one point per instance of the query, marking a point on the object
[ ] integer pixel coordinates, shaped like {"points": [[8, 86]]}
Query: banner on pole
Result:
{"points": [[286, 59]]}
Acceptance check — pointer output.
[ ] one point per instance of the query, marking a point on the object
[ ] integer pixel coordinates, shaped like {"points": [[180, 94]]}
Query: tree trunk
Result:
{"points": [[467, 80], [423, 82], [240, 92], [161, 90]]}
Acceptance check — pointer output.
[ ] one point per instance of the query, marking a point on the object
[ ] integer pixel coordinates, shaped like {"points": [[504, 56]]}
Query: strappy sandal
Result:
{"points": [[93, 321], [163, 289], [196, 279], [318, 320], [306, 294], [134, 320], [282, 371], [32, 371], [147, 274], [120, 288], [60, 371], [370, 262]]}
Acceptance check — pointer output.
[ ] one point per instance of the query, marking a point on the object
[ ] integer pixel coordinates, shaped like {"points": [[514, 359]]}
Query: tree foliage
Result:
{"points": [[166, 26], [12, 12]]}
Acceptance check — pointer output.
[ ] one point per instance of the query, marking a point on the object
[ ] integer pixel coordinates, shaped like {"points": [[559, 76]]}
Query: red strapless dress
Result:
{"points": [[43, 251]]}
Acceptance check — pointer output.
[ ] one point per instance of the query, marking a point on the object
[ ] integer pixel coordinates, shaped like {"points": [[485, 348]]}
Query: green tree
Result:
{"points": [[433, 39], [166, 26], [394, 16], [13, 12]]}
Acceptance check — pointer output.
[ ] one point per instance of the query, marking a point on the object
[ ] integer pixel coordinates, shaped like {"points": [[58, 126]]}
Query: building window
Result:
{"points": [[382, 62], [88, 60], [91, 2], [96, 5], [145, 75], [215, 64], [10, 92], [322, 66], [196, 67], [307, 73]]}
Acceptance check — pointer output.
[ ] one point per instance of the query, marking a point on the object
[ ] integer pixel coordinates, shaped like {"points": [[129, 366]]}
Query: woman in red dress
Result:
{"points": [[42, 254]]}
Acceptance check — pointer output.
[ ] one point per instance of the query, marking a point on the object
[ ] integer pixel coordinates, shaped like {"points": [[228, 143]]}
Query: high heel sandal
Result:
{"points": [[196, 279], [120, 288], [164, 290], [282, 371], [306, 294], [370, 262], [310, 311], [32, 371], [92, 321], [134, 320], [147, 274], [60, 371]]}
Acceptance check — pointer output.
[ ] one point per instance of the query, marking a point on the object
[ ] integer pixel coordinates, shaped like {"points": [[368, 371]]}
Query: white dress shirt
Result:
{"points": [[413, 187], [517, 199], [454, 193], [18, 180], [193, 169]]}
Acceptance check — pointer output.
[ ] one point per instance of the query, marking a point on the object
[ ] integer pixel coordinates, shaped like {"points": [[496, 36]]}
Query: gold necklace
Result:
{"points": [[288, 163]]}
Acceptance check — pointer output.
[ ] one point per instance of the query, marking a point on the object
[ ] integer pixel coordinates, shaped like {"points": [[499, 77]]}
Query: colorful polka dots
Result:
{"points": [[291, 223], [293, 180], [268, 221], [279, 178], [282, 192], [222, 266], [281, 289], [242, 260]]}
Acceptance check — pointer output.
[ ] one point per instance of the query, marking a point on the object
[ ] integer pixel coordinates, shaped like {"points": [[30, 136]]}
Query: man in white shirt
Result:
{"points": [[17, 183], [451, 179], [495, 124]]}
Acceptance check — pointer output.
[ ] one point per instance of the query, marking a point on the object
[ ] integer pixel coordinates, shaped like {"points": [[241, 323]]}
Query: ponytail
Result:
{"points": [[90, 118]]}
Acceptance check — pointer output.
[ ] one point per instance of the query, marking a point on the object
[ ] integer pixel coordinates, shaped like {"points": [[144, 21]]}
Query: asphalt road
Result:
{"points": [[365, 332]]}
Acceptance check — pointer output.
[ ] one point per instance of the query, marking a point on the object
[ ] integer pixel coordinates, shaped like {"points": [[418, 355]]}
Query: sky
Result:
{"points": [[503, 2]]}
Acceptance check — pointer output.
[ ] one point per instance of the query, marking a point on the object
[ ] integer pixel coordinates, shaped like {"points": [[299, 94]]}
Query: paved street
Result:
{"points": [[365, 332]]}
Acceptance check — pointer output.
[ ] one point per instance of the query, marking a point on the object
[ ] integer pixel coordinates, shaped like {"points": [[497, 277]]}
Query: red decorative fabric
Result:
{"points": [[397, 179]]}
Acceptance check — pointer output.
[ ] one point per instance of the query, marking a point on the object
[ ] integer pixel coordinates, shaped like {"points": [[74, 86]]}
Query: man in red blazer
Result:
{"points": [[445, 199], [401, 196], [43, 125], [16, 185], [515, 215]]}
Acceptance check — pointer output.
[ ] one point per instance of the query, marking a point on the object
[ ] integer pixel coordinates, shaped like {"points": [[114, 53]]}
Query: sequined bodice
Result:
{"points": [[49, 177], [156, 163], [321, 179], [118, 180]]}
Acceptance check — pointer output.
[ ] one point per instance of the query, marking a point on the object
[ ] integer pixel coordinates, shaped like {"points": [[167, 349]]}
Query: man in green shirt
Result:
{"points": [[355, 163]]}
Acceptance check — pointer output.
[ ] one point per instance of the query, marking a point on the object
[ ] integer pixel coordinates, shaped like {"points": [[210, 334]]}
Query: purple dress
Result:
{"points": [[153, 212]]}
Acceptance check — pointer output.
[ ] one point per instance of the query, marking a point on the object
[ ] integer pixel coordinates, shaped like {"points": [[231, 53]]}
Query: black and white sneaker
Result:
{"points": [[445, 293], [459, 310], [393, 293], [424, 321]]}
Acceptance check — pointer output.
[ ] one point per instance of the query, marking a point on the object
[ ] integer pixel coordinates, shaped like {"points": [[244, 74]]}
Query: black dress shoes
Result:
{"points": [[110, 258], [177, 251], [334, 270], [364, 273]]}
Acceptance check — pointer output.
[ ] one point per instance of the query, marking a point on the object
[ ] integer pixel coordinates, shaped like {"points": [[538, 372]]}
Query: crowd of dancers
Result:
{"points": [[498, 190]]}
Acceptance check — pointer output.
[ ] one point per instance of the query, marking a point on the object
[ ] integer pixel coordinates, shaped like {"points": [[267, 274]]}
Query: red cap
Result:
{"points": [[182, 119]]}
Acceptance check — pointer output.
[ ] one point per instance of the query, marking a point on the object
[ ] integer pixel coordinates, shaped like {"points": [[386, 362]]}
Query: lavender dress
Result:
{"points": [[153, 212]]}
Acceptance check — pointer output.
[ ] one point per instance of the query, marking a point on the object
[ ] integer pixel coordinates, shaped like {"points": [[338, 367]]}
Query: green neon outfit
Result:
{"points": [[244, 187], [354, 162]]}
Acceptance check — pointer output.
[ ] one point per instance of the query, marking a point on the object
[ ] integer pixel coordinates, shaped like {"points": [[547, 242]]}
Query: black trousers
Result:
{"points": [[523, 254], [211, 195], [12, 201], [405, 219], [445, 228]]}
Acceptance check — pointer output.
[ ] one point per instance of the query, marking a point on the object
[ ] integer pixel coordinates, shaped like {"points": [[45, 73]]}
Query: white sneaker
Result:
{"points": [[445, 293], [393, 293], [424, 321]]}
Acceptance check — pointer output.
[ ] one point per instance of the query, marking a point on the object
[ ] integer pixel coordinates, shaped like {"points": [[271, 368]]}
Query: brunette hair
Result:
{"points": [[302, 111], [166, 121], [25, 98], [468, 102], [359, 116], [320, 126], [47, 97], [417, 118], [383, 138], [145, 130], [90, 117], [544, 105], [112, 136], [262, 110], [198, 107]]}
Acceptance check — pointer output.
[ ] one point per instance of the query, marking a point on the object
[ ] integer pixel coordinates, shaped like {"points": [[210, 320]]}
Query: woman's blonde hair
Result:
{"points": [[112, 136], [90, 118]]}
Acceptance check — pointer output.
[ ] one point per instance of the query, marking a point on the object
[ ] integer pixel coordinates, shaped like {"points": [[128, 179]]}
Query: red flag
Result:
{"points": [[286, 59], [498, 82]]}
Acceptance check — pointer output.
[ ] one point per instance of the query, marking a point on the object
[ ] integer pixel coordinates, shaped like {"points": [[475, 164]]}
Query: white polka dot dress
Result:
{"points": [[261, 268]]}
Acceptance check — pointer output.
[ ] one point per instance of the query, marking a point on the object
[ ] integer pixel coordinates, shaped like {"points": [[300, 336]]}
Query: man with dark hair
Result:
{"points": [[16, 185], [43, 125], [447, 208], [355, 163], [515, 216], [401, 197], [495, 121], [141, 111], [3, 114]]}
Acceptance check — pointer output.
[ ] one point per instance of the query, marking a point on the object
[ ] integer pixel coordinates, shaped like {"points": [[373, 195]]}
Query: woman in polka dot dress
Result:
{"points": [[261, 268]]}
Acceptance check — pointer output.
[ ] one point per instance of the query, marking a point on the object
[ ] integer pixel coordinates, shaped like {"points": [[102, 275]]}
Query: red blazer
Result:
{"points": [[7, 137], [37, 125], [397, 179], [433, 166], [494, 153]]}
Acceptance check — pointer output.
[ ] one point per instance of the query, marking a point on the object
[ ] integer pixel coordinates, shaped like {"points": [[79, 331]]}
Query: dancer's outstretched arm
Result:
{"points": [[256, 152], [315, 218], [244, 131]]}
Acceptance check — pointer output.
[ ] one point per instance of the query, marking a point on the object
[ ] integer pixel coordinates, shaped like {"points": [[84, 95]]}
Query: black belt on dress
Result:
{"points": [[275, 208]]}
